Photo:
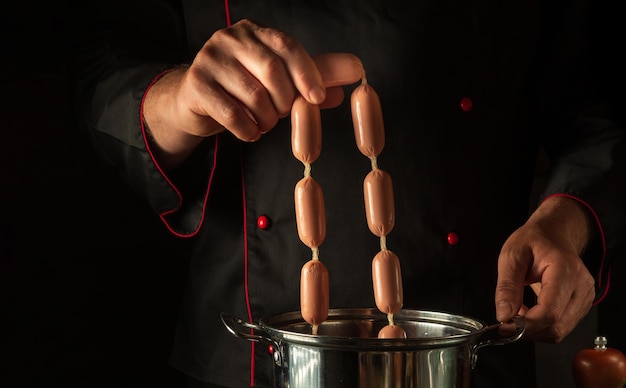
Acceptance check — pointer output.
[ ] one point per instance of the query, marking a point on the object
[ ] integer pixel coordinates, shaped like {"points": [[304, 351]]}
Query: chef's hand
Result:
{"points": [[244, 79], [545, 252]]}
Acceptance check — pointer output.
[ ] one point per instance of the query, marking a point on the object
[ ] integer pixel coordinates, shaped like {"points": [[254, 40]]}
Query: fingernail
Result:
{"points": [[504, 311], [317, 95]]}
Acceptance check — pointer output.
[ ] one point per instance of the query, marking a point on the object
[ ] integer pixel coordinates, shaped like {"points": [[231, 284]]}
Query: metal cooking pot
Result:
{"points": [[440, 349]]}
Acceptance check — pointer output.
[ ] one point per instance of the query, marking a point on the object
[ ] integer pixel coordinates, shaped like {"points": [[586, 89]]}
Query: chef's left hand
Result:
{"points": [[545, 252]]}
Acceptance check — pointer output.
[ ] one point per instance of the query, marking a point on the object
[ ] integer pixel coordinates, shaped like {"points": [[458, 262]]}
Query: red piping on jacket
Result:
{"points": [[245, 263], [245, 234], [164, 214], [180, 198], [603, 239]]}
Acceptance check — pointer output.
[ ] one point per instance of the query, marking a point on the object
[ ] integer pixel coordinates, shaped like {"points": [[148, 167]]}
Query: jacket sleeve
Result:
{"points": [[577, 118], [119, 49]]}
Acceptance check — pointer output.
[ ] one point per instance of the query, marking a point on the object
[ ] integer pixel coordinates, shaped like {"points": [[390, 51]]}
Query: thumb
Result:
{"points": [[509, 293], [508, 300]]}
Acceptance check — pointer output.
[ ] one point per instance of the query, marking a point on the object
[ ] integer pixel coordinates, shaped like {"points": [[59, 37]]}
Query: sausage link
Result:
{"points": [[387, 281], [392, 331], [367, 119], [306, 130], [314, 292], [379, 204], [339, 69], [310, 212]]}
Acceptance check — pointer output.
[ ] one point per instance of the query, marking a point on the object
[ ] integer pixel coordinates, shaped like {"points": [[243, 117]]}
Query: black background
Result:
{"points": [[90, 280]]}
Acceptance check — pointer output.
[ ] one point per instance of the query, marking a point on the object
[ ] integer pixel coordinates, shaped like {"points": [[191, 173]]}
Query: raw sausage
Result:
{"points": [[314, 292], [310, 212], [369, 134], [379, 205], [339, 69], [306, 130], [392, 331], [367, 120], [387, 281]]}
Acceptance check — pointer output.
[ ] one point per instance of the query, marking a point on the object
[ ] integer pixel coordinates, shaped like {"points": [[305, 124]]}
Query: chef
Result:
{"points": [[190, 102]]}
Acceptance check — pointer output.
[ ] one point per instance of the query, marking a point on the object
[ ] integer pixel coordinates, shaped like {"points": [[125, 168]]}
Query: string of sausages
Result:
{"points": [[369, 133], [379, 208], [306, 145]]}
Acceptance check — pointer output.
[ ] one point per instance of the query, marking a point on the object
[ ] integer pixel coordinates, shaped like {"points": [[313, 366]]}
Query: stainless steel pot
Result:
{"points": [[440, 349]]}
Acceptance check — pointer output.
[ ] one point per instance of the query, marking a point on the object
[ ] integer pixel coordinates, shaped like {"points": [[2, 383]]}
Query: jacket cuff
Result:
{"points": [[185, 218]]}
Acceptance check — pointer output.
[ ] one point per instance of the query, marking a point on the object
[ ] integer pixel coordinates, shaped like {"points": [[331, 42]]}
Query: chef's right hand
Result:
{"points": [[244, 79], [546, 252]]}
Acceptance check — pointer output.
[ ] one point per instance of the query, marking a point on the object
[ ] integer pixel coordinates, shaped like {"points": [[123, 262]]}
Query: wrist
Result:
{"points": [[568, 218], [169, 145]]}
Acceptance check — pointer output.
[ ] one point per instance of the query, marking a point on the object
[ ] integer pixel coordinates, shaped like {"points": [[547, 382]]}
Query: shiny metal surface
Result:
{"points": [[312, 367], [439, 351]]}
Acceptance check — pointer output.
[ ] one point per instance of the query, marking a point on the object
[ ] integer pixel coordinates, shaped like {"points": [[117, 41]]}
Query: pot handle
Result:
{"points": [[251, 332], [520, 328], [237, 326]]}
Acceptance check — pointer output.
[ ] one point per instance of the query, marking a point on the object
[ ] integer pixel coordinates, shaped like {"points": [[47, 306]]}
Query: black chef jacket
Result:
{"points": [[471, 93]]}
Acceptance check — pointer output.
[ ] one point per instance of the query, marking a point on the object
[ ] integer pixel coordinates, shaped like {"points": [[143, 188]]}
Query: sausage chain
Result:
{"points": [[369, 134], [306, 145]]}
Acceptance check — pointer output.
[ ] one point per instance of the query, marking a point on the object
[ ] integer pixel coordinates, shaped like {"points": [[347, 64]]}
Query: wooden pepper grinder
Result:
{"points": [[600, 366]]}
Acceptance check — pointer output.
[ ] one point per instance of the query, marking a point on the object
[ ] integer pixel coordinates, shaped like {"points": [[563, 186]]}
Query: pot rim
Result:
{"points": [[466, 329]]}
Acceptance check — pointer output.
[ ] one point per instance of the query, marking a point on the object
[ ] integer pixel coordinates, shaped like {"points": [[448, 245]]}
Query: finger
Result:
{"points": [[251, 94], [214, 104], [234, 117], [294, 59], [508, 328], [512, 269], [271, 74], [247, 62], [554, 295], [550, 325]]}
